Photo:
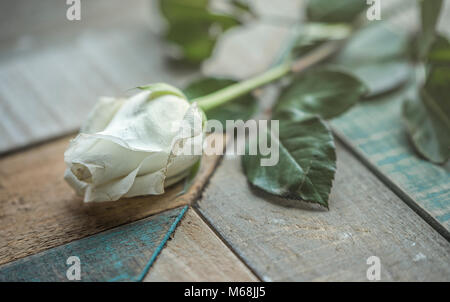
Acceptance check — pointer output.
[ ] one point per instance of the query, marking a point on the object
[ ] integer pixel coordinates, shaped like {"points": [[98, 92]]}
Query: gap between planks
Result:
{"points": [[39, 211], [407, 199], [283, 240], [123, 253], [196, 254]]}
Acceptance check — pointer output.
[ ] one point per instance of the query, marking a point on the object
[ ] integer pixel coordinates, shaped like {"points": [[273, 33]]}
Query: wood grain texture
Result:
{"points": [[24, 18], [51, 78], [42, 78], [196, 254], [375, 130], [120, 254], [39, 210], [283, 240]]}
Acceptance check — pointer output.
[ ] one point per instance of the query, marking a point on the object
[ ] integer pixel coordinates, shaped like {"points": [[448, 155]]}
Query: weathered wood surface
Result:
{"points": [[37, 72], [52, 71], [39, 210], [120, 254], [375, 130], [24, 18], [196, 254], [282, 240]]}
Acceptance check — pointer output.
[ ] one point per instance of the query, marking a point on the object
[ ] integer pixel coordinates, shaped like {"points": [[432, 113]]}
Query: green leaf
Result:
{"points": [[326, 93], [243, 6], [427, 115], [193, 28], [159, 89], [437, 87], [430, 11], [439, 53], [382, 77], [336, 11], [241, 108], [375, 42], [307, 160], [428, 131], [311, 35], [376, 54]]}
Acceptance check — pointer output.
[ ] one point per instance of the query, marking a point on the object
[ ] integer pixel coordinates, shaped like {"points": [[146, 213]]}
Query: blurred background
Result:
{"points": [[52, 70]]}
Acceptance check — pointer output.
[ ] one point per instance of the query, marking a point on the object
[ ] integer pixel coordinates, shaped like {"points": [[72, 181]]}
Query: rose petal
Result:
{"points": [[134, 153]]}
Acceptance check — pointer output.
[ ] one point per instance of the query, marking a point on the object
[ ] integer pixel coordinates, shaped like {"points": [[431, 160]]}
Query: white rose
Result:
{"points": [[128, 147]]}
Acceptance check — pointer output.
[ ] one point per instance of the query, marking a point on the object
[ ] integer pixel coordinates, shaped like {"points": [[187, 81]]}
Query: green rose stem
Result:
{"points": [[234, 91]]}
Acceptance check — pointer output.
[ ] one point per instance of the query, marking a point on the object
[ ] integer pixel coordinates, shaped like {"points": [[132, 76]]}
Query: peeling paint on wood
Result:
{"points": [[375, 131], [39, 210], [196, 254], [120, 254]]}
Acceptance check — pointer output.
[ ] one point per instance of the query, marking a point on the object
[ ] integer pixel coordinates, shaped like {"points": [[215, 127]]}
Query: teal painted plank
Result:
{"points": [[124, 253], [375, 130]]}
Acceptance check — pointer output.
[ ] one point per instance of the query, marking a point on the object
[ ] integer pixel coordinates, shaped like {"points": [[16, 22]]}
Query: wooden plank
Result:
{"points": [[22, 18], [50, 80], [65, 66], [38, 209], [282, 240], [376, 134], [196, 254], [375, 130], [120, 254]]}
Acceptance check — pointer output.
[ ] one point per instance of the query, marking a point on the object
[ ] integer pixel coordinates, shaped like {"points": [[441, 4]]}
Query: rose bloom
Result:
{"points": [[131, 147]]}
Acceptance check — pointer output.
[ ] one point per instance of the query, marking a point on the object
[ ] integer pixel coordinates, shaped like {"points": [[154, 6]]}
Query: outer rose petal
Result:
{"points": [[133, 154], [102, 114]]}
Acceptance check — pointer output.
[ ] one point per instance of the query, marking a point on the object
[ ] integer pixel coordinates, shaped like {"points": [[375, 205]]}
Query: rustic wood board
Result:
{"points": [[51, 79], [39, 210], [281, 240], [99, 61], [121, 254], [375, 130], [376, 134], [196, 254], [66, 66]]}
